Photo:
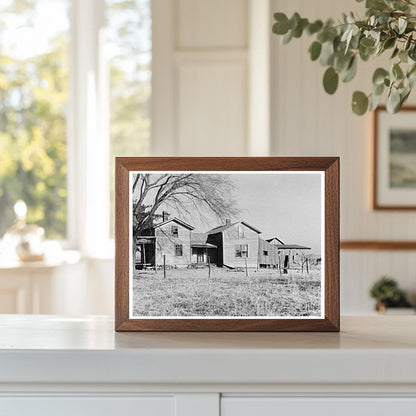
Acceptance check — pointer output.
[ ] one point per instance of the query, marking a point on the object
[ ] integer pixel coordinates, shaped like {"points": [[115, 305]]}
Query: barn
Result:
{"points": [[237, 244]]}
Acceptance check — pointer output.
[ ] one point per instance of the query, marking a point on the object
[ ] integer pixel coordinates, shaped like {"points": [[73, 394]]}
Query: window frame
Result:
{"points": [[177, 248], [174, 231], [239, 251]]}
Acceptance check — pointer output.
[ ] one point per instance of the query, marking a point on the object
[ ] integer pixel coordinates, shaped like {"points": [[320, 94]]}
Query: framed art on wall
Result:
{"points": [[394, 178], [227, 244]]}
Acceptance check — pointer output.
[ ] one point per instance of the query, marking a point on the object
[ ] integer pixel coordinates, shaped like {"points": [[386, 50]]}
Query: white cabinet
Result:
{"points": [[87, 406], [270, 406], [52, 365]]}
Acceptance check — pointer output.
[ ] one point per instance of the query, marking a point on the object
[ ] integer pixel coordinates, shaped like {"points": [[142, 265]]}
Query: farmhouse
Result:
{"points": [[233, 245], [237, 244], [289, 255]]}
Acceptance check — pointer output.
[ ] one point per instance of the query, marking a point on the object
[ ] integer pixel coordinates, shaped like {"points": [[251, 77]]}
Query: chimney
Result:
{"points": [[165, 216], [227, 222]]}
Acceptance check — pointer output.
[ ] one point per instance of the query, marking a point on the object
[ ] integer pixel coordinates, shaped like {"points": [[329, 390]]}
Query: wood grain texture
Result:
{"points": [[378, 245], [329, 165], [376, 204]]}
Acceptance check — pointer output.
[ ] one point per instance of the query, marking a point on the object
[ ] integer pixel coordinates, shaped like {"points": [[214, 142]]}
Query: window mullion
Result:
{"points": [[88, 134]]}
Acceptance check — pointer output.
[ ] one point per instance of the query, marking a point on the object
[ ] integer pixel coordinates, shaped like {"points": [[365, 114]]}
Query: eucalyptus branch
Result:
{"points": [[388, 26]]}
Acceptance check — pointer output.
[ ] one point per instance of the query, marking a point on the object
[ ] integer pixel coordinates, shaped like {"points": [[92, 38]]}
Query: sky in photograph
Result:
{"points": [[283, 205]]}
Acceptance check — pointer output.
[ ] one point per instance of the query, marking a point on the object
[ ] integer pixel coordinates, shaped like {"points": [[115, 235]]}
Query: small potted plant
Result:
{"points": [[387, 294]]}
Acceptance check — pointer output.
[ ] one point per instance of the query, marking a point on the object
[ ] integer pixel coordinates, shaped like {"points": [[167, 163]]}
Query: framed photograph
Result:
{"points": [[227, 244], [394, 176]]}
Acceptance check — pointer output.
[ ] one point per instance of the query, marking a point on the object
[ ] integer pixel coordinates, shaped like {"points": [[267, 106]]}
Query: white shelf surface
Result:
{"points": [[53, 349]]}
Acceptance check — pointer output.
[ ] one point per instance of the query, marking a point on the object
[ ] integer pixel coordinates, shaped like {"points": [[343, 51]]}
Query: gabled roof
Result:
{"points": [[200, 240], [178, 221], [275, 238], [225, 226], [291, 246]]}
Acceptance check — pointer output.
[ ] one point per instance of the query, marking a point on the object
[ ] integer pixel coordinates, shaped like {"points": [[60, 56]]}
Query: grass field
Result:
{"points": [[189, 292]]}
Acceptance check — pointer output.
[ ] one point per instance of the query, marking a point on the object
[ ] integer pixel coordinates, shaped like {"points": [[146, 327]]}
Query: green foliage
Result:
{"points": [[330, 81], [130, 82], [33, 97], [34, 104], [386, 291], [389, 26]]}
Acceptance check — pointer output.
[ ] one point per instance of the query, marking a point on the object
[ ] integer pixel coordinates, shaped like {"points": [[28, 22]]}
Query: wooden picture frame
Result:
{"points": [[394, 184], [134, 169]]}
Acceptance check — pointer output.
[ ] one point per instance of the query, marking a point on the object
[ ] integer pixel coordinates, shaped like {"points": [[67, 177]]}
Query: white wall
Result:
{"points": [[308, 122], [211, 92]]}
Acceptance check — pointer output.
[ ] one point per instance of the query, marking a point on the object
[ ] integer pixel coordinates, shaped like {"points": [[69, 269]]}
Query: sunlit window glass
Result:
{"points": [[129, 54], [33, 106]]}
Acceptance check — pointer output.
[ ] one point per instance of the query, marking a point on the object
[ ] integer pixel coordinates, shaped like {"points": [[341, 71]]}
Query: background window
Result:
{"points": [[174, 231], [129, 52], [178, 250], [33, 103]]}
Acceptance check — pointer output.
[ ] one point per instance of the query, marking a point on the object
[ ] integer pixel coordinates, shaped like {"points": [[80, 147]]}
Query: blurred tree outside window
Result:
{"points": [[129, 51], [33, 102], [34, 93]]}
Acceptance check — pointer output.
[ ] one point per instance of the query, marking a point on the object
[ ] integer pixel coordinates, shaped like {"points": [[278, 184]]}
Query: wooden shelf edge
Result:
{"points": [[377, 245]]}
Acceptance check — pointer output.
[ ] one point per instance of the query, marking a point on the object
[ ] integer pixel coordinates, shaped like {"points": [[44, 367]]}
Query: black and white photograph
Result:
{"points": [[226, 244]]}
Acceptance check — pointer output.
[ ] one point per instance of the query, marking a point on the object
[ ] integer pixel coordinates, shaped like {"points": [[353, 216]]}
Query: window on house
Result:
{"points": [[174, 231], [178, 250], [265, 253], [241, 250], [240, 232]]}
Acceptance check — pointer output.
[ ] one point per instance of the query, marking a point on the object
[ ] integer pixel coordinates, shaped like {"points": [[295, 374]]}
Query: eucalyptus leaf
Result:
{"points": [[327, 53], [379, 75], [408, 42], [378, 89], [315, 50], [376, 4], [402, 22], [403, 56], [374, 101], [397, 71], [314, 27], [281, 27], [351, 72], [393, 101], [288, 37], [395, 52], [330, 80], [359, 103], [389, 43]]}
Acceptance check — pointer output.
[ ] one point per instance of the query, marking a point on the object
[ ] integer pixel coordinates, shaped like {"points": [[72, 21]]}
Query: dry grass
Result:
{"points": [[190, 292]]}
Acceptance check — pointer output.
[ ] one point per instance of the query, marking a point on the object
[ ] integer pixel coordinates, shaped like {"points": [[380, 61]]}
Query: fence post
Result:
{"points": [[164, 266], [245, 261], [209, 267]]}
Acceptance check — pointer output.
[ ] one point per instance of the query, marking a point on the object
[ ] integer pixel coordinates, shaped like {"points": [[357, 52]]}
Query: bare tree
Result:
{"points": [[189, 193]]}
